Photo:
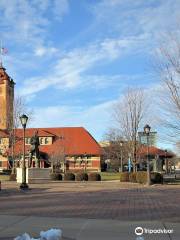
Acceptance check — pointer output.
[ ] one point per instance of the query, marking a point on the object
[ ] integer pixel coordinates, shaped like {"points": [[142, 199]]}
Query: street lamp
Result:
{"points": [[147, 129], [24, 185], [121, 145], [166, 162], [85, 161]]}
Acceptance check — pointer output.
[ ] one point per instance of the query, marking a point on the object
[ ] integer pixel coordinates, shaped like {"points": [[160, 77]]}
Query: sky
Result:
{"points": [[73, 59]]}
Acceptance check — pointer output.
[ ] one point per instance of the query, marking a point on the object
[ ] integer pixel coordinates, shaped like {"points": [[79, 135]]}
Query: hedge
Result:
{"points": [[56, 176], [81, 177], [156, 177], [124, 177], [69, 176], [94, 177], [140, 177], [132, 177]]}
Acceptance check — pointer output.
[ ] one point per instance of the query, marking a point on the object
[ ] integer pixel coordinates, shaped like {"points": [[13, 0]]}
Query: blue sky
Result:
{"points": [[72, 59]]}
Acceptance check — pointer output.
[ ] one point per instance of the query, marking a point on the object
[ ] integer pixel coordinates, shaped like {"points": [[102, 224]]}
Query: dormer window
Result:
{"points": [[41, 141]]}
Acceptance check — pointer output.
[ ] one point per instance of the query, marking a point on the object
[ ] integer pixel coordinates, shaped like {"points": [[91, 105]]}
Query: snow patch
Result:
{"points": [[52, 234]]}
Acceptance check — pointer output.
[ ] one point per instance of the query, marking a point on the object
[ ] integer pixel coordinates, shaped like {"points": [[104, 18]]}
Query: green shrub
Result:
{"points": [[69, 176], [56, 176], [81, 177], [141, 177], [94, 177], [156, 177], [124, 177], [132, 177], [6, 172], [12, 177]]}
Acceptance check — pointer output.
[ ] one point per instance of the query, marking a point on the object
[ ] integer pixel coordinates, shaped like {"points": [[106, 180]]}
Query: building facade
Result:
{"points": [[6, 100], [68, 148]]}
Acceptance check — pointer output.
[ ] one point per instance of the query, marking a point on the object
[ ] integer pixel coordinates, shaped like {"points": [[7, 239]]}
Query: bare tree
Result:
{"points": [[129, 113], [169, 70], [58, 160], [19, 108], [116, 149]]}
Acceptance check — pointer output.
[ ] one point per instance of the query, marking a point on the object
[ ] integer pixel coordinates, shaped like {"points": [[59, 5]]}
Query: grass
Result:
{"points": [[4, 177], [108, 176]]}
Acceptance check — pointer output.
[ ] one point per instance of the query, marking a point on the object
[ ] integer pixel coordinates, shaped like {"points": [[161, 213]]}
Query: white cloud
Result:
{"points": [[28, 21], [70, 70], [95, 118], [133, 18], [45, 51], [60, 8]]}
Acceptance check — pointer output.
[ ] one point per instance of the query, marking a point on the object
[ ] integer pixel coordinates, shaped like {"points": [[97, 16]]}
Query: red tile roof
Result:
{"points": [[42, 132], [72, 140], [154, 151]]}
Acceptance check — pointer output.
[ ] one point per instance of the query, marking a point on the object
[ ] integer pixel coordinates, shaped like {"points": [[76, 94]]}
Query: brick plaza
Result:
{"points": [[93, 200]]}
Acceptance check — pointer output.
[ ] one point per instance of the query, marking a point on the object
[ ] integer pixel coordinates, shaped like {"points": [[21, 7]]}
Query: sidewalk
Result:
{"points": [[83, 229]]}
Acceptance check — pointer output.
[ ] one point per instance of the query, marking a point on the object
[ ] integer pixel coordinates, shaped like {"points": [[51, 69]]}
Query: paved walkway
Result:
{"points": [[83, 229], [100, 210]]}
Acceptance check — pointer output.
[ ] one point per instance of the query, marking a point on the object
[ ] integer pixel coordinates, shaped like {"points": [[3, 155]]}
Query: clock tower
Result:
{"points": [[6, 100]]}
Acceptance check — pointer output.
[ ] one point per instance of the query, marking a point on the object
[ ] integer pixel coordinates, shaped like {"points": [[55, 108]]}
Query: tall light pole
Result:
{"points": [[147, 129], [24, 185], [166, 162], [85, 162], [121, 145], [129, 162]]}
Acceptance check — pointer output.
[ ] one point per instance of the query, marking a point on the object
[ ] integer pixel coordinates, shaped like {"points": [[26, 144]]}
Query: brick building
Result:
{"points": [[71, 148]]}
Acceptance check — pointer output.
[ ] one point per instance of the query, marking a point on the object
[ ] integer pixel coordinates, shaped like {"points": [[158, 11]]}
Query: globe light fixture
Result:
{"points": [[23, 120], [147, 129]]}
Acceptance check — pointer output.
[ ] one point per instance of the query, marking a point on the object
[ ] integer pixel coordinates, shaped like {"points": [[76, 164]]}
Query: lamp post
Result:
{"points": [[129, 162], [85, 162], [121, 145], [166, 162], [147, 129], [24, 185]]}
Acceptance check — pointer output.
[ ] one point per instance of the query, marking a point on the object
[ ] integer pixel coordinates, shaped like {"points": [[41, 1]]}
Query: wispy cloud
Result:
{"points": [[136, 17], [69, 71], [95, 118], [44, 51], [27, 21], [97, 45]]}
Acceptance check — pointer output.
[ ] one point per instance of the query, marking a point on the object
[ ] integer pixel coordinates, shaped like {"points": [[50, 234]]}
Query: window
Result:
{"points": [[28, 141], [89, 163], [0, 140], [0, 163], [46, 140], [41, 141]]}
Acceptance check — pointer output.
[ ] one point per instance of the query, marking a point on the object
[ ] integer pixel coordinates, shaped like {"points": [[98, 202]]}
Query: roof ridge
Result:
{"points": [[43, 128]]}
